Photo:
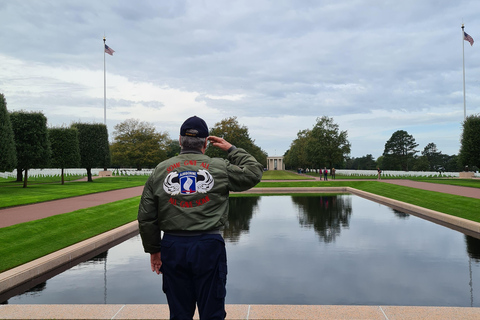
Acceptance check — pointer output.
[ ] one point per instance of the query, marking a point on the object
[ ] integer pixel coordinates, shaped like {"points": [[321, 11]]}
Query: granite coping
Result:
{"points": [[238, 311]]}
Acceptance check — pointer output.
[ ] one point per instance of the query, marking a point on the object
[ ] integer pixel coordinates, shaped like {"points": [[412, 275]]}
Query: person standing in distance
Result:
{"points": [[186, 197]]}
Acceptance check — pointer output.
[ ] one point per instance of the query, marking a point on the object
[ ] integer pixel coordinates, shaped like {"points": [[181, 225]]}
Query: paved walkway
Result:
{"points": [[30, 212], [444, 188]]}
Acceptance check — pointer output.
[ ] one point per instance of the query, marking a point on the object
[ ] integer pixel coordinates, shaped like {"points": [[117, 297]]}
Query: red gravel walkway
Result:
{"points": [[29, 212], [11, 216], [444, 188]]}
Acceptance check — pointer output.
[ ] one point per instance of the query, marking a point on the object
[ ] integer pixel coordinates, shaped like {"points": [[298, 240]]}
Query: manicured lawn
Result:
{"points": [[40, 179], [27, 241], [14, 195], [283, 175]]}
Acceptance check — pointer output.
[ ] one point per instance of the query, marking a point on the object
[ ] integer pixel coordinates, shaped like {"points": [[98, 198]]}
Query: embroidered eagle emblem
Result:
{"points": [[188, 182]]}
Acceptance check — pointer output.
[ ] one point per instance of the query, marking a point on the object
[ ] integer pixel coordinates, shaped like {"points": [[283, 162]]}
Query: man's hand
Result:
{"points": [[156, 262], [220, 143]]}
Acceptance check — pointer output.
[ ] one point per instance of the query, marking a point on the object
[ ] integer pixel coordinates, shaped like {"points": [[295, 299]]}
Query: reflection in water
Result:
{"points": [[473, 247], [366, 256], [401, 214], [98, 259], [473, 250], [327, 214], [239, 216], [38, 288]]}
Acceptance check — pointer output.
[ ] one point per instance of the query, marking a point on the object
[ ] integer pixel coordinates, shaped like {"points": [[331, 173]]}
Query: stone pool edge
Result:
{"points": [[23, 274], [238, 311]]}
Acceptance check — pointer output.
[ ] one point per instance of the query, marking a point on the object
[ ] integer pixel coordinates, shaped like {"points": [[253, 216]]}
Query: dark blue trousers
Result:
{"points": [[194, 273]]}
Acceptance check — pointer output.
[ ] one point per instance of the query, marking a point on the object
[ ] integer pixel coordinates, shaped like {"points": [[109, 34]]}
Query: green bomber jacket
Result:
{"points": [[189, 192]]}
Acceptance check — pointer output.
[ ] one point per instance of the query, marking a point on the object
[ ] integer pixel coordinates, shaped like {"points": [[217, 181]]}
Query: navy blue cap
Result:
{"points": [[194, 123]]}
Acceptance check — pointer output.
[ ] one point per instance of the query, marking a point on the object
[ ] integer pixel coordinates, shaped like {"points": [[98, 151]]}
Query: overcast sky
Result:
{"points": [[374, 66]]}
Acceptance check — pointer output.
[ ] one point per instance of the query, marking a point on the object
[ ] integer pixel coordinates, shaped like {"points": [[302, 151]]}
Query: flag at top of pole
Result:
{"points": [[110, 51], [468, 38]]}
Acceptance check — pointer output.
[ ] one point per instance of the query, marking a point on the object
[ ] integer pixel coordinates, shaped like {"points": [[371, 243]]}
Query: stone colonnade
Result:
{"points": [[275, 163]]}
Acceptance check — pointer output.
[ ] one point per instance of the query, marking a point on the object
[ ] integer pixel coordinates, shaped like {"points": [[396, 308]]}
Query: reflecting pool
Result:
{"points": [[322, 249]]}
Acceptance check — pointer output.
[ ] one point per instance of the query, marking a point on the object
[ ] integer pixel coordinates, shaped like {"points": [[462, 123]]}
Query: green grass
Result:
{"points": [[282, 175], [27, 241], [15, 195], [40, 179]]}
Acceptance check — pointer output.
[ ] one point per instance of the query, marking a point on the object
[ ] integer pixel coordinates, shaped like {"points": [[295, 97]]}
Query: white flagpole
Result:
{"points": [[463, 51], [105, 86]]}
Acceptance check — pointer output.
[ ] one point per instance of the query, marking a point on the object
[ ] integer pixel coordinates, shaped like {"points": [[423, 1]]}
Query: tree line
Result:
{"points": [[325, 145], [137, 144], [26, 142]]}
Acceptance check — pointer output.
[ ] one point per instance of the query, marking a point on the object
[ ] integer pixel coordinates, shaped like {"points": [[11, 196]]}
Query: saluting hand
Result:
{"points": [[219, 143]]}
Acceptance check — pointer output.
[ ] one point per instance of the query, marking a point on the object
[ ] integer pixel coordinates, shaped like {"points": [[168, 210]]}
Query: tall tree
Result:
{"points": [[137, 144], [238, 135], [31, 141], [433, 156], [296, 157], [94, 147], [451, 163], [65, 149], [8, 153], [173, 147], [399, 150], [421, 164], [470, 143], [363, 163], [327, 146]]}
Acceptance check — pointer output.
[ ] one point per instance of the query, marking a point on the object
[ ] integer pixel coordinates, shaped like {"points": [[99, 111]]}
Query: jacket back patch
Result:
{"points": [[188, 182]]}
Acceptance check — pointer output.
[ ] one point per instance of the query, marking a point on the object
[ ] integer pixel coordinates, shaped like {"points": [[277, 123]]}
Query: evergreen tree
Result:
{"points": [[94, 147], [433, 156], [470, 144], [65, 150], [31, 141], [8, 153], [399, 150]]}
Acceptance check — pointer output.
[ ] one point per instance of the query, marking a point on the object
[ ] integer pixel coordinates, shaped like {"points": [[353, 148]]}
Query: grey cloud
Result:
{"points": [[294, 57]]}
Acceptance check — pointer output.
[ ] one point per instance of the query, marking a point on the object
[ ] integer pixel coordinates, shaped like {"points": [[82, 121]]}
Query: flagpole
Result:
{"points": [[105, 85], [463, 51]]}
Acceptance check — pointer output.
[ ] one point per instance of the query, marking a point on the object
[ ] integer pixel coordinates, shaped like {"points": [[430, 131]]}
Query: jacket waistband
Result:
{"points": [[186, 233]]}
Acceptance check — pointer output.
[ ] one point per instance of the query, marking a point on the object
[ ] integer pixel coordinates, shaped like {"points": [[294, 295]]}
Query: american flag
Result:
{"points": [[110, 51], [468, 38]]}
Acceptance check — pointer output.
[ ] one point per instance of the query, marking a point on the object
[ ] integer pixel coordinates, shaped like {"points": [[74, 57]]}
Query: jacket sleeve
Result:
{"points": [[243, 170], [148, 219]]}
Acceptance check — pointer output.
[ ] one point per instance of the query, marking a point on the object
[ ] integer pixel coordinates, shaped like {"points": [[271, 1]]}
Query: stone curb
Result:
{"points": [[239, 311], [93, 246]]}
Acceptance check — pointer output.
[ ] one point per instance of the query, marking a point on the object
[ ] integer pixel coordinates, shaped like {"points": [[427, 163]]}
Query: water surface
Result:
{"points": [[326, 250]]}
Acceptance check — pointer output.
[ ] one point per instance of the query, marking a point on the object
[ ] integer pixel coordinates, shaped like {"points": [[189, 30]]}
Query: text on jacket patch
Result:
{"points": [[187, 183]]}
